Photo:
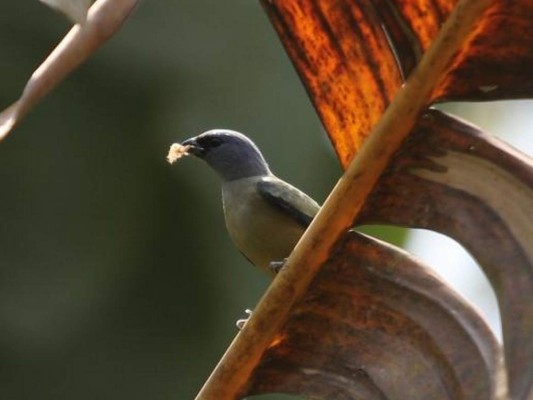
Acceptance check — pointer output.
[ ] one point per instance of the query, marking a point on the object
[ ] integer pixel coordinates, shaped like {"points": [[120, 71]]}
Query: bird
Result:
{"points": [[265, 216]]}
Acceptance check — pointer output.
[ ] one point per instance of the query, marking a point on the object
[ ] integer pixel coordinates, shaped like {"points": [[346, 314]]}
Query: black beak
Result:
{"points": [[194, 147]]}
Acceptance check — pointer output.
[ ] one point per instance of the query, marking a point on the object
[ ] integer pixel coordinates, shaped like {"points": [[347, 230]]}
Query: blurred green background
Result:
{"points": [[117, 278]]}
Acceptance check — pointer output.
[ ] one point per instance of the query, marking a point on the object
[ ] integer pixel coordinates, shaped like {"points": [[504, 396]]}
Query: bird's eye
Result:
{"points": [[214, 142]]}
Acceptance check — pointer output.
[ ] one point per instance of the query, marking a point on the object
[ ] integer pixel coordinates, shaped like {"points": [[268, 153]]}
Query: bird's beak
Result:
{"points": [[194, 147]]}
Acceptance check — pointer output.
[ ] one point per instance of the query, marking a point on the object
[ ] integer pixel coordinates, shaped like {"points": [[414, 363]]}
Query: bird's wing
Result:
{"points": [[291, 201]]}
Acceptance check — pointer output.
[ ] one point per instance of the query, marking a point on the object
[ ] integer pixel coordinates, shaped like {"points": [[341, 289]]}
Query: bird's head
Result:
{"points": [[231, 154]]}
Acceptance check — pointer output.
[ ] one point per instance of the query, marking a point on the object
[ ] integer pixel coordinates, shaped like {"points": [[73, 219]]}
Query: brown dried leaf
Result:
{"points": [[353, 56], [342, 51], [344, 60], [496, 62], [452, 178], [376, 324], [411, 26], [104, 19], [425, 18]]}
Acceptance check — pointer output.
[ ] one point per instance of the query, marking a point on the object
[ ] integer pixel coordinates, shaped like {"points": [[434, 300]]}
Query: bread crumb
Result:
{"points": [[176, 152]]}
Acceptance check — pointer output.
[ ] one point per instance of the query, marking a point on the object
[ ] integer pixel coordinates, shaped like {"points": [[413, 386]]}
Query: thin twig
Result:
{"points": [[104, 19]]}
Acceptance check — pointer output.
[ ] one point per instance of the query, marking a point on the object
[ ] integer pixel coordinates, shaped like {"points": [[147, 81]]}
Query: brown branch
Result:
{"points": [[340, 209]]}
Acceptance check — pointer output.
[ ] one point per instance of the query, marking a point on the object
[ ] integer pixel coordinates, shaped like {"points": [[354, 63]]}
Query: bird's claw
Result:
{"points": [[277, 266], [241, 322]]}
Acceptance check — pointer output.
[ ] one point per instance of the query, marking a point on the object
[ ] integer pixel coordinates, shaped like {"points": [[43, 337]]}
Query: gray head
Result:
{"points": [[231, 154]]}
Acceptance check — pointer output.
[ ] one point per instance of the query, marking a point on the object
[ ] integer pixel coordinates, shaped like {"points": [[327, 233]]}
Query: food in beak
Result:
{"points": [[177, 151]]}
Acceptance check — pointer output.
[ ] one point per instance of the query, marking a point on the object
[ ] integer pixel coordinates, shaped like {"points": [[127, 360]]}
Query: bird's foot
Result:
{"points": [[276, 266], [241, 322]]}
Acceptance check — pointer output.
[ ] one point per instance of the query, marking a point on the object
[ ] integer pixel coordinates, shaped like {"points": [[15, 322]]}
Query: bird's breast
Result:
{"points": [[261, 232]]}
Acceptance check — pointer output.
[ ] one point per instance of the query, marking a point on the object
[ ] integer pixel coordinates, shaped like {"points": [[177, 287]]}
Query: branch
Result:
{"points": [[341, 208], [104, 19]]}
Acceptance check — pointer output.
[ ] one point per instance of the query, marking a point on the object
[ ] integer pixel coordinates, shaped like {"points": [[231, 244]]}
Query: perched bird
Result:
{"points": [[265, 216]]}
